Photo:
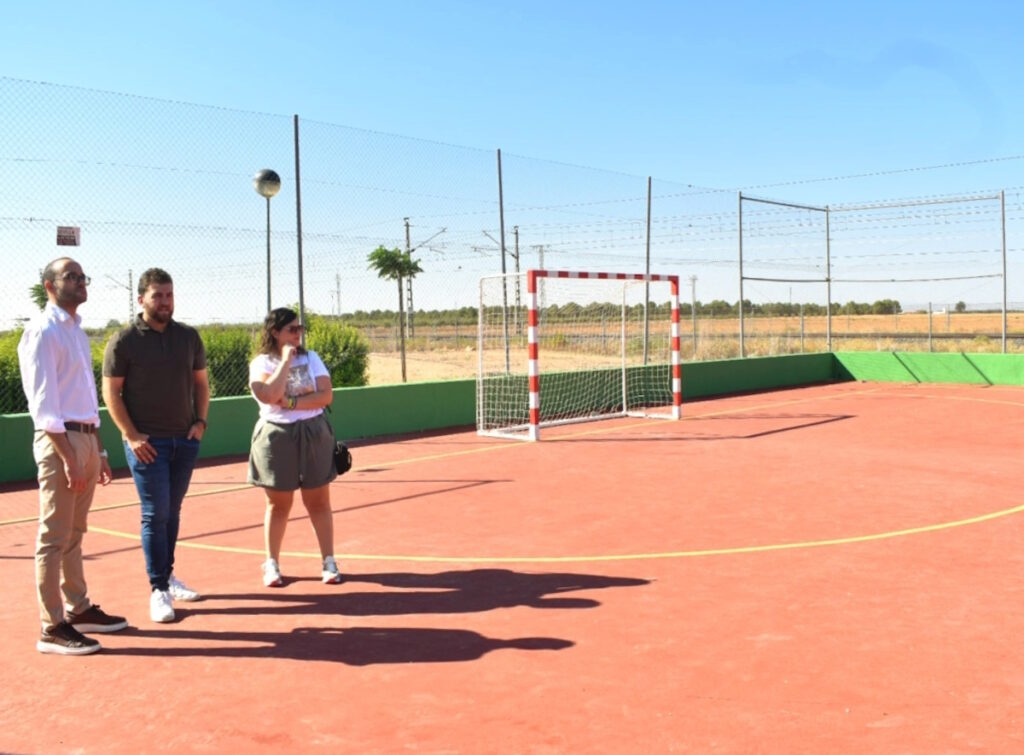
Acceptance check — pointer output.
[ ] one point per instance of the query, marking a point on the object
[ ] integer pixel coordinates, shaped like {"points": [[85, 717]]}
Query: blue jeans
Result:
{"points": [[162, 485]]}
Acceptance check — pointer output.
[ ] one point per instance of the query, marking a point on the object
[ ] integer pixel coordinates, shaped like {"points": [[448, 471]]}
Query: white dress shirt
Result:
{"points": [[56, 371]]}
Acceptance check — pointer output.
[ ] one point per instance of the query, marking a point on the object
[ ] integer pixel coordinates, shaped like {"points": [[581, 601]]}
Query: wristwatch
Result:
{"points": [[202, 421], [104, 454]]}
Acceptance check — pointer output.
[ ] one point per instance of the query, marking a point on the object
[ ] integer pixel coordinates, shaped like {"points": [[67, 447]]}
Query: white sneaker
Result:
{"points": [[180, 591], [272, 574], [160, 608], [331, 575]]}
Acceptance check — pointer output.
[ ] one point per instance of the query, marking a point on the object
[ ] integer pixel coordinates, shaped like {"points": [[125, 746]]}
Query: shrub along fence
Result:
{"points": [[229, 348]]}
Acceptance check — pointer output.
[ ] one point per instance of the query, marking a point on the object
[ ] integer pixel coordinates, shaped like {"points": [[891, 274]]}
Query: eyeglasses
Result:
{"points": [[76, 278], [294, 328]]}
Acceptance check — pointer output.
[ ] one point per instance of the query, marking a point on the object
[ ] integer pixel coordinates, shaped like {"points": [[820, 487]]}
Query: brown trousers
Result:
{"points": [[60, 578]]}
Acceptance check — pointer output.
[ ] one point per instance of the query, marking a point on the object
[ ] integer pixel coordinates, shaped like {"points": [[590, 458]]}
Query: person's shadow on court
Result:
{"points": [[469, 591], [355, 646], [457, 592]]}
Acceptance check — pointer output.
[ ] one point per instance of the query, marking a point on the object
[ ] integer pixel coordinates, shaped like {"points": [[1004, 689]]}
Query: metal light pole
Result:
{"points": [[267, 183]]}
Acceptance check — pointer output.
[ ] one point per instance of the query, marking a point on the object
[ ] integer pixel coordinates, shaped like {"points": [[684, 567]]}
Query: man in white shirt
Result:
{"points": [[57, 375]]}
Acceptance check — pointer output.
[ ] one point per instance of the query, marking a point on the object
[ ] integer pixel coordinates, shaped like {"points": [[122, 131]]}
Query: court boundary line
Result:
{"points": [[662, 555]]}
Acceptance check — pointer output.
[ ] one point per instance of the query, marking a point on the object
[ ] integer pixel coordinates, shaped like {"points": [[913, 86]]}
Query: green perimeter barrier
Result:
{"points": [[355, 413], [703, 379], [917, 367], [413, 407]]}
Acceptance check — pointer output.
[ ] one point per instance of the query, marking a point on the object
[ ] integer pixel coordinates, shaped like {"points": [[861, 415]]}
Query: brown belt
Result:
{"points": [[80, 427]]}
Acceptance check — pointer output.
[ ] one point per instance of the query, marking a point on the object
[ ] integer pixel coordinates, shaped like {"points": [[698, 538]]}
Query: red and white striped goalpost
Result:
{"points": [[532, 335]]}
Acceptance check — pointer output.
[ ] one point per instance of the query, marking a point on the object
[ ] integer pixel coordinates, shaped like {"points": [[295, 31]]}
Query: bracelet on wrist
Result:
{"points": [[104, 454], [201, 421], [293, 401]]}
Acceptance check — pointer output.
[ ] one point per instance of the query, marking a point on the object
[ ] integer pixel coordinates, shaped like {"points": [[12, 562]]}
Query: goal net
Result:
{"points": [[556, 347]]}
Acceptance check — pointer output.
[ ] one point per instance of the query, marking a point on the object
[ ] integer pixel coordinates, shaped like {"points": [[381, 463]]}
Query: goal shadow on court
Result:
{"points": [[792, 423]]}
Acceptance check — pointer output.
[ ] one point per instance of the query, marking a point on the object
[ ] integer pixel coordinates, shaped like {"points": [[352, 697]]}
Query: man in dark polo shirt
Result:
{"points": [[157, 392]]}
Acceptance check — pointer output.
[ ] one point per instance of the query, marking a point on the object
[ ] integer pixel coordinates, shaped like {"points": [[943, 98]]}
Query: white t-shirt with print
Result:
{"points": [[305, 369]]}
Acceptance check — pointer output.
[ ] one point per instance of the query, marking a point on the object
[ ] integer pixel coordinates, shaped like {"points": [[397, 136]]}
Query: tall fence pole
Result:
{"points": [[828, 283], [647, 271], [1002, 216], [740, 223], [504, 279]]}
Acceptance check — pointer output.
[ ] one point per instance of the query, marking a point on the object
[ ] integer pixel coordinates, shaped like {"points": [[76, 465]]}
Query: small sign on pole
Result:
{"points": [[69, 235]]}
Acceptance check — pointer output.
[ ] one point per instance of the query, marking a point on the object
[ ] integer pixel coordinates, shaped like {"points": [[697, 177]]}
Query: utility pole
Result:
{"points": [[515, 231], [408, 281], [337, 291], [515, 256], [131, 294], [409, 249], [693, 311]]}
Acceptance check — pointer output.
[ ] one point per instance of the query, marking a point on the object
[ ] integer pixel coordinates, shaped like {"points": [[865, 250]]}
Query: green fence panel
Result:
{"points": [[922, 367], [701, 379]]}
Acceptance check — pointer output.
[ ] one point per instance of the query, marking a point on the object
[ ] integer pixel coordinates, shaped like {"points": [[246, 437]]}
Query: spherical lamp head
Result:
{"points": [[267, 183]]}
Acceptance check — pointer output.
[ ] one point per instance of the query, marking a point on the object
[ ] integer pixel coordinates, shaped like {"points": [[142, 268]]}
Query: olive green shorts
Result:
{"points": [[292, 456]]}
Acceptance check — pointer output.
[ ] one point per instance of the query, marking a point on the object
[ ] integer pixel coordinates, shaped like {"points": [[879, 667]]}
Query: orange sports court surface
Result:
{"points": [[835, 568]]}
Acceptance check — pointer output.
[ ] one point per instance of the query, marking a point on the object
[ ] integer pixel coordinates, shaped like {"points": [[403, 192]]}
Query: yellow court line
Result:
{"points": [[126, 504], [500, 446], [585, 558], [620, 557], [976, 400], [503, 446]]}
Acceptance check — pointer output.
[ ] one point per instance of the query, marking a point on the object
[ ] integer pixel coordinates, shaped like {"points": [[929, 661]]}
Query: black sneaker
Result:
{"points": [[64, 639], [94, 620]]}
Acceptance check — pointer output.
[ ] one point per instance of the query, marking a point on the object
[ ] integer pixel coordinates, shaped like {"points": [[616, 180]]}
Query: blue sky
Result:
{"points": [[715, 94], [802, 102]]}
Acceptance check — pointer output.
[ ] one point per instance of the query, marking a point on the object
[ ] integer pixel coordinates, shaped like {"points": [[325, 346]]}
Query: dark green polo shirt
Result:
{"points": [[159, 384]]}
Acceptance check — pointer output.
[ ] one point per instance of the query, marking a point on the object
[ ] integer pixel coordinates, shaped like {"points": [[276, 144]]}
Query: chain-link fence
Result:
{"points": [[169, 184]]}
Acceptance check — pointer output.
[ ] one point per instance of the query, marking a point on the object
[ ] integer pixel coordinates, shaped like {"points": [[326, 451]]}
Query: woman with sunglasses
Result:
{"points": [[292, 443]]}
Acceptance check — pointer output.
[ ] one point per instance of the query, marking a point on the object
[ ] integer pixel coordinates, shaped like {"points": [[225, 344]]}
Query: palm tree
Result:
{"points": [[38, 294], [396, 265]]}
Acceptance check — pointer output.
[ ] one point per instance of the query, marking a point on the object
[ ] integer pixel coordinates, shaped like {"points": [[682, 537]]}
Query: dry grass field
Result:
{"points": [[386, 368], [430, 356], [914, 323]]}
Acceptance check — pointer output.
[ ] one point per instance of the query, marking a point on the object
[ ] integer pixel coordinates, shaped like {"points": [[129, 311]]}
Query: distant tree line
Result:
{"points": [[599, 310]]}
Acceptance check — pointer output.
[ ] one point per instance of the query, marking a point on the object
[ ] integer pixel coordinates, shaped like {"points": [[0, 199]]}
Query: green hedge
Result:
{"points": [[343, 349], [229, 348], [228, 351], [12, 397]]}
